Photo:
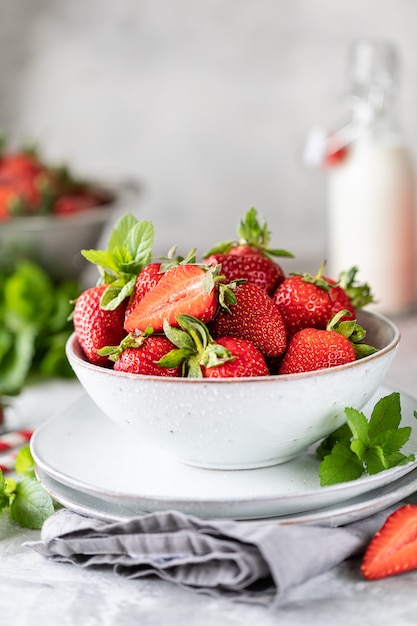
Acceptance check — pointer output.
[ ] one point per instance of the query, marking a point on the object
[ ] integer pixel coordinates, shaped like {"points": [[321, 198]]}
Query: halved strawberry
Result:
{"points": [[182, 289], [151, 274], [393, 549], [254, 317], [147, 279]]}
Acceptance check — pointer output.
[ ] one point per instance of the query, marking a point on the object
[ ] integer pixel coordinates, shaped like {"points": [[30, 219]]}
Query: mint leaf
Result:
{"points": [[28, 503], [116, 292], [362, 446], [340, 465], [375, 460], [28, 297], [121, 231], [386, 414], [129, 251], [15, 363], [4, 498], [327, 444], [24, 463], [102, 258], [139, 241], [358, 425], [34, 324], [129, 248], [31, 505], [392, 440]]}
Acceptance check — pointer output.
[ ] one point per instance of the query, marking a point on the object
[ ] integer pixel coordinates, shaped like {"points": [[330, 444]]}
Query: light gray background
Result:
{"points": [[206, 103]]}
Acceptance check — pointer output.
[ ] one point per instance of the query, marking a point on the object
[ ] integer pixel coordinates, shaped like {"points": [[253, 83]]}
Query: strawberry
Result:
{"points": [[96, 327], [340, 300], [393, 549], [74, 202], [254, 317], [10, 203], [314, 349], [203, 357], [184, 288], [151, 274], [24, 196], [254, 238], [14, 166], [246, 360], [254, 268], [304, 301], [143, 359]]}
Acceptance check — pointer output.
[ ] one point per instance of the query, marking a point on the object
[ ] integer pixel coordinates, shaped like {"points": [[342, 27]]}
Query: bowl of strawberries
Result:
{"points": [[227, 363], [46, 214]]}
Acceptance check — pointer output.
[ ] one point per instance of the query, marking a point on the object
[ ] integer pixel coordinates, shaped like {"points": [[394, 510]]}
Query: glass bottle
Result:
{"points": [[371, 187]]}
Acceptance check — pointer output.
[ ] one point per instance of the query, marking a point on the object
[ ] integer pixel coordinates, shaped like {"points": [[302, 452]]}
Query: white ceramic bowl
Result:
{"points": [[239, 423]]}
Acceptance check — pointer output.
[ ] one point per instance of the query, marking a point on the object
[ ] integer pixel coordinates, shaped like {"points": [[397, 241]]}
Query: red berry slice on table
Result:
{"points": [[393, 550]]}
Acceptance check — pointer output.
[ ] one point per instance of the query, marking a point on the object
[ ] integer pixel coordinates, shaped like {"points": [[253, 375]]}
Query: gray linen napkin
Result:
{"points": [[240, 560]]}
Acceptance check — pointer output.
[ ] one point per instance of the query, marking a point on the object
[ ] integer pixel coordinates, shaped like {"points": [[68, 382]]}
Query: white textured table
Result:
{"points": [[37, 592]]}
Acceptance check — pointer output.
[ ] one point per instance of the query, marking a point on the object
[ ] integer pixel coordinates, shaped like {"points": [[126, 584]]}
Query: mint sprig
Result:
{"points": [[362, 446], [26, 501], [129, 251], [34, 325]]}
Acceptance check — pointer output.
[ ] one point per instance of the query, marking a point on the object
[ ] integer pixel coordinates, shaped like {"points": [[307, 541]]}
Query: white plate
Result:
{"points": [[82, 449], [339, 515]]}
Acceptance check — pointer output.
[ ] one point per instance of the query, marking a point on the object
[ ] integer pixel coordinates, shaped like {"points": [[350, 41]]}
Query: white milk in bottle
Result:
{"points": [[371, 188]]}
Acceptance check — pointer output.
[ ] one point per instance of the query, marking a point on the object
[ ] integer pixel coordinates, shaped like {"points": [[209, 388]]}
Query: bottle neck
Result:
{"points": [[373, 73], [373, 111]]}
